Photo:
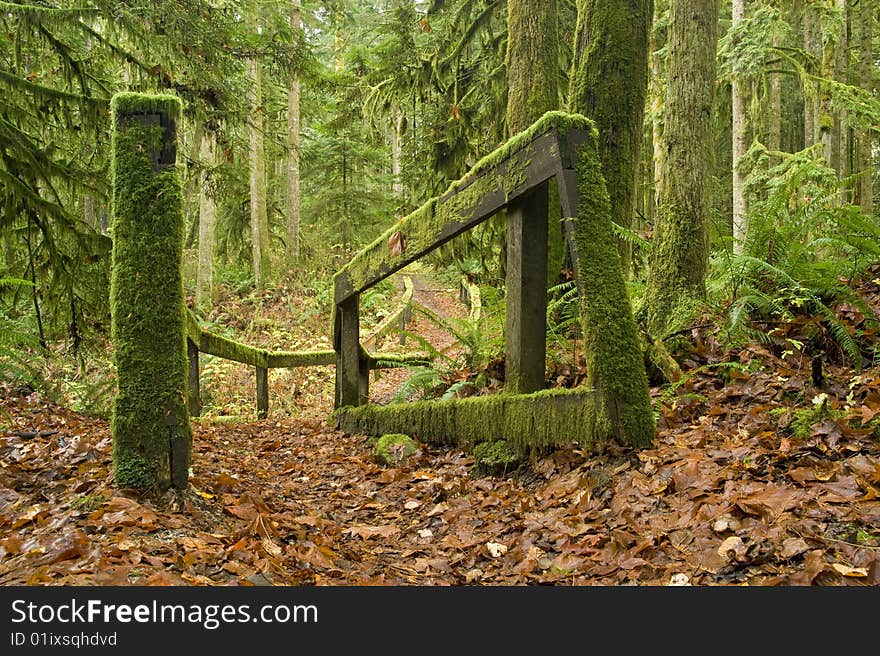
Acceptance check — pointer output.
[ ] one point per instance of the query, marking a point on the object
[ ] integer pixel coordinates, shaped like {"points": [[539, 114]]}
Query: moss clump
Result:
{"points": [[494, 458], [152, 438], [87, 503], [803, 419], [394, 448]]}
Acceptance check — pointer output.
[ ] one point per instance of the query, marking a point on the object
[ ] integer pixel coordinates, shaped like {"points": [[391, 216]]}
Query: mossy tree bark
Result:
{"points": [[257, 164], [676, 278], [207, 224], [867, 11], [152, 439], [293, 143], [609, 84], [533, 90]]}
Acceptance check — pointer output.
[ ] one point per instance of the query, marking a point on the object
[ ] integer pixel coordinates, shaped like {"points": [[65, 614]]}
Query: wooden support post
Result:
{"points": [[569, 197], [405, 318], [352, 369], [262, 392], [152, 438], [194, 397], [525, 338]]}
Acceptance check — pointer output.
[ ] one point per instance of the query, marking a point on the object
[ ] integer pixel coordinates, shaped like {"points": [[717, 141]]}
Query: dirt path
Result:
{"points": [[440, 300]]}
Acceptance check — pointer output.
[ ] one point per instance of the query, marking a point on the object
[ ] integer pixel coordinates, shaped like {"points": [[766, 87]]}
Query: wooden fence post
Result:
{"points": [[194, 397], [525, 335], [352, 369], [152, 438], [262, 392]]}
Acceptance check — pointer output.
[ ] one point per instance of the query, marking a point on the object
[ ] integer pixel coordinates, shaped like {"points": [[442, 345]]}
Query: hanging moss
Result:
{"points": [[152, 439], [529, 422], [614, 356]]}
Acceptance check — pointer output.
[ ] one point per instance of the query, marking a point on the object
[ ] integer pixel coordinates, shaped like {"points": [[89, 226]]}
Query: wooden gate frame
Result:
{"points": [[516, 176]]}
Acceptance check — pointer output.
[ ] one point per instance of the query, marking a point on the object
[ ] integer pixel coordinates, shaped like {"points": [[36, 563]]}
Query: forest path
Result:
{"points": [[743, 484], [442, 301]]}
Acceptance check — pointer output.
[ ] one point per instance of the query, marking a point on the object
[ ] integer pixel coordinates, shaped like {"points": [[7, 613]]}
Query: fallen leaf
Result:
{"points": [[859, 572], [496, 549]]}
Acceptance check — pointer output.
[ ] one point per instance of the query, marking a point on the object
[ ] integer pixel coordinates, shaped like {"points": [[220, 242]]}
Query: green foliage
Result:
{"points": [[804, 249]]}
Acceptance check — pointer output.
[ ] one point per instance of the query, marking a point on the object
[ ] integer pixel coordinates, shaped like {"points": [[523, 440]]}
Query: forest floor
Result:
{"points": [[756, 477]]}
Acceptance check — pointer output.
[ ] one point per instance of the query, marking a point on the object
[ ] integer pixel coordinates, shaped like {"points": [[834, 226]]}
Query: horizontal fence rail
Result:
{"points": [[200, 340]]}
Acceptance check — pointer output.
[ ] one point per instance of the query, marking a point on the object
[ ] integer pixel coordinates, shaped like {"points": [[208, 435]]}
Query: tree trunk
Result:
{"points": [[676, 278], [207, 221], [293, 116], [257, 164], [609, 84], [865, 143], [397, 155], [656, 89], [740, 145], [813, 47], [774, 116]]}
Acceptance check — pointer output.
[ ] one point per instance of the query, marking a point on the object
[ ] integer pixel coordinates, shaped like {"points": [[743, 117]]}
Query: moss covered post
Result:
{"points": [[615, 367], [152, 438]]}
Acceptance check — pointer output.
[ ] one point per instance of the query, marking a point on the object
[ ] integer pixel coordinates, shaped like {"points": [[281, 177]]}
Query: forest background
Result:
{"points": [[309, 127]]}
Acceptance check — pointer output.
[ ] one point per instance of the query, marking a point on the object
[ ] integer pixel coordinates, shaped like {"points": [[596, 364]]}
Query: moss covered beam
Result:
{"points": [[530, 422], [204, 341], [152, 439], [523, 163], [395, 319]]}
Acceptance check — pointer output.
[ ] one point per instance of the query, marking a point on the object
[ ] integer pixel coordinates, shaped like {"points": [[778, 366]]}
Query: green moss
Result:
{"points": [[150, 421], [529, 422], [87, 503], [127, 102], [608, 83], [803, 419], [614, 356], [394, 448], [494, 458], [422, 227]]}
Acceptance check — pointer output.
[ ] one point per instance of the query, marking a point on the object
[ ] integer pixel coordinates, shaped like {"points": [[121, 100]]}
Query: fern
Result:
{"points": [[421, 382], [803, 247]]}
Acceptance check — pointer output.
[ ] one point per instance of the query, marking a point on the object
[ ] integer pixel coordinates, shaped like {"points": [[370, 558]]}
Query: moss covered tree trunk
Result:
{"points": [[152, 439], [207, 223], [677, 274], [293, 142], [533, 90], [257, 164], [608, 84], [864, 168]]}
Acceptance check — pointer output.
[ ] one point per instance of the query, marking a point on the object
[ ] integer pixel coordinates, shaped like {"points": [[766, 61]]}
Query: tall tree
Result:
{"points": [[207, 222], [867, 11], [609, 84], [740, 140], [677, 273], [293, 142], [257, 167], [532, 70]]}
